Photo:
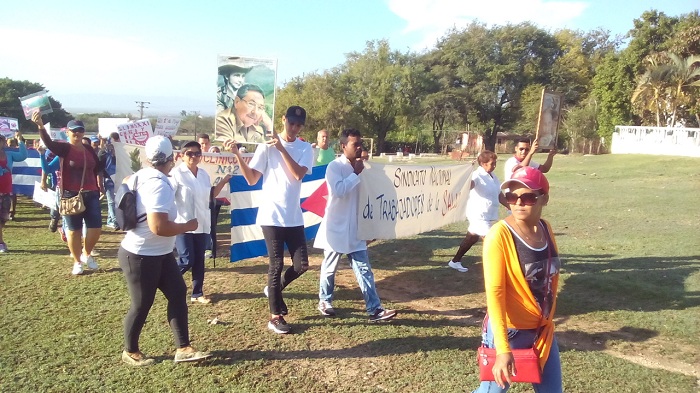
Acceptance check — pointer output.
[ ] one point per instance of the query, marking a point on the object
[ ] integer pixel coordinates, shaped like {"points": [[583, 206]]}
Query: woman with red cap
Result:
{"points": [[521, 275]]}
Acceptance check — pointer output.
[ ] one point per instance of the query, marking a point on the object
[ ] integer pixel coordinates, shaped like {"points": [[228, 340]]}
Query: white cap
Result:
{"points": [[159, 149]]}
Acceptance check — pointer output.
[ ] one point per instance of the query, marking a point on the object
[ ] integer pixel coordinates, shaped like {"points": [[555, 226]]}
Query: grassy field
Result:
{"points": [[628, 313]]}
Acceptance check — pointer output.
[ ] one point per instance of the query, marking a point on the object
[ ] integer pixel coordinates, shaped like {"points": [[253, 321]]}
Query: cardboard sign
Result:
{"points": [[135, 133], [167, 126], [8, 126]]}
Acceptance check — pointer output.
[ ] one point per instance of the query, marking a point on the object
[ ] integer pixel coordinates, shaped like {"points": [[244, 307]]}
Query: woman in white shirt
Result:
{"points": [[146, 257], [192, 199], [482, 206]]}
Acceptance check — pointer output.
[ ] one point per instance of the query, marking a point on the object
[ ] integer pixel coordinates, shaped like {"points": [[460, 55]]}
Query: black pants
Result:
{"points": [[215, 210], [275, 240], [144, 275]]}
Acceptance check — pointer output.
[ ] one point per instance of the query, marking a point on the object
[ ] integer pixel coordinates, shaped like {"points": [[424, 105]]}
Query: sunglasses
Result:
{"points": [[193, 153], [528, 198], [78, 130]]}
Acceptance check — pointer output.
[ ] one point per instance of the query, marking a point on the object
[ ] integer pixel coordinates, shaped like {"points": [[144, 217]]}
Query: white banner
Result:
{"points": [[136, 133], [131, 158], [405, 200], [167, 126], [108, 125]]}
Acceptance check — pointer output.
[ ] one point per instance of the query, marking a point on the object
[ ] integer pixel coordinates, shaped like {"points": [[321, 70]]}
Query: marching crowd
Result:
{"points": [[520, 257]]}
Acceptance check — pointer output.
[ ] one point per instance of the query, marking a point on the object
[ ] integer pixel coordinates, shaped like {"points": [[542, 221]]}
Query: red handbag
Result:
{"points": [[527, 360], [527, 365]]}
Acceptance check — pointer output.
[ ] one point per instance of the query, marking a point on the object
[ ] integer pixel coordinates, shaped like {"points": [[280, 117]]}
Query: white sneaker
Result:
{"points": [[77, 269], [89, 261], [457, 266], [265, 291]]}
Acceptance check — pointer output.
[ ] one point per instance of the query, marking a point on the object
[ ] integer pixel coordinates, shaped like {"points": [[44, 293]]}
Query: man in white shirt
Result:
{"points": [[337, 234], [282, 163], [523, 157]]}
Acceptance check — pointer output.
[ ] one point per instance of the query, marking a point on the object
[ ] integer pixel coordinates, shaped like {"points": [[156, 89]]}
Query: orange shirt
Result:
{"points": [[510, 302]]}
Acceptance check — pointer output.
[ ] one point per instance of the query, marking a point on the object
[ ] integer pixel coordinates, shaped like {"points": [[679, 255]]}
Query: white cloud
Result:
{"points": [[432, 18], [71, 61]]}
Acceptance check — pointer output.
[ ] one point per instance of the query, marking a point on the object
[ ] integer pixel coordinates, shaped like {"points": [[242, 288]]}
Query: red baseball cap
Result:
{"points": [[529, 177]]}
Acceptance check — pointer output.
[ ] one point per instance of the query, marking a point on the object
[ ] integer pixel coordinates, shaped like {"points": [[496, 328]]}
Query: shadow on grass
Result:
{"points": [[375, 348], [583, 341], [603, 283]]}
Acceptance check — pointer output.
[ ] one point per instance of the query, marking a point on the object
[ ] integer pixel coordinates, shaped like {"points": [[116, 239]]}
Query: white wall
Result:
{"points": [[656, 140]]}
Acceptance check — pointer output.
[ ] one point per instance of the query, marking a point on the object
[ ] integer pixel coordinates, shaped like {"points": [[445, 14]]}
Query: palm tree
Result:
{"points": [[684, 79], [652, 87]]}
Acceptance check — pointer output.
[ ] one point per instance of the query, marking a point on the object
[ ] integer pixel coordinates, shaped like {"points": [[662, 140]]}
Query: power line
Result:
{"points": [[141, 105]]}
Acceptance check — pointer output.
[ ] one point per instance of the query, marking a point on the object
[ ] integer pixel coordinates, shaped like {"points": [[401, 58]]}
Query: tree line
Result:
{"points": [[490, 79]]}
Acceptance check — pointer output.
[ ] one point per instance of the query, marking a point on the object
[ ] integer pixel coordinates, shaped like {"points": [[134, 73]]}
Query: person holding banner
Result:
{"points": [[523, 157], [482, 205], [192, 191], [521, 276], [241, 121], [77, 159], [282, 163], [337, 234], [7, 160]]}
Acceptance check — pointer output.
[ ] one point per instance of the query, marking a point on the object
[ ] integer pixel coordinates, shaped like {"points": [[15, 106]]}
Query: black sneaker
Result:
{"points": [[53, 224], [326, 308], [382, 315], [279, 325]]}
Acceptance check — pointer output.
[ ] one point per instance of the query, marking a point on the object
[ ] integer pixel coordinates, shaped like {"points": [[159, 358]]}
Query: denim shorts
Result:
{"points": [[92, 214]]}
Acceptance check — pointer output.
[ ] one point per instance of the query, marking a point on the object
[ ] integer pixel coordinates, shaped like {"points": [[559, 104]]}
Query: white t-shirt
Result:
{"points": [[280, 189], [482, 204], [511, 163], [338, 229], [192, 196], [154, 194]]}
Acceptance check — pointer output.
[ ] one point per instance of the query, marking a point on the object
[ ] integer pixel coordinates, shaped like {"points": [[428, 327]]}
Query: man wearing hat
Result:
{"points": [[231, 78], [282, 163], [241, 121]]}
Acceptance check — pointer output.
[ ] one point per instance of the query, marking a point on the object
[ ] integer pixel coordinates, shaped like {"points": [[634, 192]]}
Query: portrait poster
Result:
{"points": [[248, 118], [548, 120], [36, 101], [136, 132], [8, 126]]}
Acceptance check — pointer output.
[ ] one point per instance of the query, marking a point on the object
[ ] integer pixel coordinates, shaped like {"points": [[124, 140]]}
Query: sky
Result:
{"points": [[97, 56]]}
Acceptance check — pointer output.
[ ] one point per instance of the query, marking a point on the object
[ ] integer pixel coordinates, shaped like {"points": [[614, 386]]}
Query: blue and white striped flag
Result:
{"points": [[25, 173], [247, 240]]}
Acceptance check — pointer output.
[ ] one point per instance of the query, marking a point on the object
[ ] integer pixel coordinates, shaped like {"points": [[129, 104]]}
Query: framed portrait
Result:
{"points": [[548, 120], [245, 98]]}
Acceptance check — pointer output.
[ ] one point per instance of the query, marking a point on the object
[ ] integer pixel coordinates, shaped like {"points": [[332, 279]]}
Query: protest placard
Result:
{"points": [[108, 125], [44, 197], [8, 126], [167, 126], [136, 133], [36, 101]]}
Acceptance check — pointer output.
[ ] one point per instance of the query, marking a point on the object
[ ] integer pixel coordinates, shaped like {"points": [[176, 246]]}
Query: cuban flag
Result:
{"points": [[25, 173], [247, 239]]}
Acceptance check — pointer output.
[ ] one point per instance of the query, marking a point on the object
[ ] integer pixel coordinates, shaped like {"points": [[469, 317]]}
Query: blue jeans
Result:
{"points": [[92, 216], [109, 192], [359, 261], [190, 251], [518, 339]]}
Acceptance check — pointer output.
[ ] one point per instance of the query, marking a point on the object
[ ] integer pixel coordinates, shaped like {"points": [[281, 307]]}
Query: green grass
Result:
{"points": [[627, 229]]}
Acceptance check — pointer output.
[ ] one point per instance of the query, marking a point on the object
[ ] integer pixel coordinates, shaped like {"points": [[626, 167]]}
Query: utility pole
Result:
{"points": [[141, 105]]}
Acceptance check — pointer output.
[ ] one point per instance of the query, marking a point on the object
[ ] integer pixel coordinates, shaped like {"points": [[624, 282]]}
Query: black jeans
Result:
{"points": [[275, 240], [144, 275]]}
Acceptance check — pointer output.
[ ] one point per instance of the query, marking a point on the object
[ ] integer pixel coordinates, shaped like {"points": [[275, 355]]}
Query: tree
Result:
{"points": [[378, 83], [493, 66], [11, 90], [650, 94], [684, 84]]}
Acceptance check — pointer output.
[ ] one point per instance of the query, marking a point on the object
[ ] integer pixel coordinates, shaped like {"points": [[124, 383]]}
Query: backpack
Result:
{"points": [[126, 215]]}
